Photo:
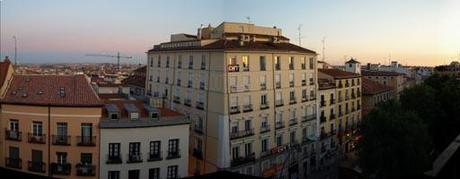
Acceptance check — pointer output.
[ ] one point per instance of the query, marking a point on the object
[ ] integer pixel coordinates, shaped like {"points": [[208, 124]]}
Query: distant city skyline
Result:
{"points": [[414, 32]]}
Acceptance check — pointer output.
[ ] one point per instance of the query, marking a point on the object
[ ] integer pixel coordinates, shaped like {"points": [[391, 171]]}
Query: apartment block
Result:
{"points": [[51, 126], [250, 94], [375, 93], [142, 141], [394, 80]]}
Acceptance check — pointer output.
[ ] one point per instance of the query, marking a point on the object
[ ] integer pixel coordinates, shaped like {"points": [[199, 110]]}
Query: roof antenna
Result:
{"points": [[299, 28], [324, 48], [249, 19]]}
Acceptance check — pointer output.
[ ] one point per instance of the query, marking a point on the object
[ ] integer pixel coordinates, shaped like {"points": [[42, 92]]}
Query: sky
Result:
{"points": [[414, 32]]}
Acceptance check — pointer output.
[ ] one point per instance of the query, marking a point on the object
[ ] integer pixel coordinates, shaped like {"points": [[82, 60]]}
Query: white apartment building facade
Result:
{"points": [[250, 94]]}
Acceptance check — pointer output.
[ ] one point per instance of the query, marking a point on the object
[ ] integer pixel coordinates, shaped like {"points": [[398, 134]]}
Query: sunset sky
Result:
{"points": [[414, 32]]}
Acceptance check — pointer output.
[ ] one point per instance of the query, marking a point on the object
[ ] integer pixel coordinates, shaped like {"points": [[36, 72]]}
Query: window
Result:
{"points": [[312, 63], [173, 147], [155, 147], [203, 62], [236, 152], [264, 145], [37, 129], [277, 63], [159, 62], [232, 61], [14, 125], [263, 82], [86, 133], [263, 63], [179, 61], [245, 60], [114, 151], [133, 174], [114, 174], [86, 158], [154, 173], [279, 140], [247, 125], [292, 135], [61, 131], [61, 157], [278, 80], [291, 63], [172, 171], [248, 149], [263, 100], [292, 96], [291, 79], [190, 62]]}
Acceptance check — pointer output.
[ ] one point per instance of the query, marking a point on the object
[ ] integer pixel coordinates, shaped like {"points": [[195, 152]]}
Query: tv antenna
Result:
{"points": [[299, 28], [324, 49]]}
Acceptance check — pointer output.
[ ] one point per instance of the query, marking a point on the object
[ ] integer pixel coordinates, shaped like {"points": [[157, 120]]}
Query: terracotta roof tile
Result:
{"points": [[4, 70], [137, 77], [338, 74], [46, 90], [372, 87], [143, 113], [380, 73]]}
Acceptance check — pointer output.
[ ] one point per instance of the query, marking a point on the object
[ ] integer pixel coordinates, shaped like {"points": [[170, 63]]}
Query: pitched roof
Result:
{"points": [[352, 61], [380, 73], [137, 77], [223, 44], [139, 104], [4, 66], [372, 87], [338, 74], [54, 90]]}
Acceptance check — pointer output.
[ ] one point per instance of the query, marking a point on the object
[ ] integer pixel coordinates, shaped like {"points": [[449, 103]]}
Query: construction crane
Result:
{"points": [[117, 56]]}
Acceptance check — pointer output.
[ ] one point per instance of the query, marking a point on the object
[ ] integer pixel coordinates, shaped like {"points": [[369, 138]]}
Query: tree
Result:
{"points": [[395, 143]]}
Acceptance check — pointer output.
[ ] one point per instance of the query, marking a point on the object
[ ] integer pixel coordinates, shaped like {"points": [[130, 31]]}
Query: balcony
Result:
{"points": [[202, 85], [291, 84], [304, 98], [304, 82], [279, 103], [312, 97], [311, 117], [340, 99], [264, 106], [13, 135], [39, 167], [155, 156], [13, 162], [263, 86], [279, 125], [113, 159], [203, 66], [241, 133], [197, 153], [234, 109], [322, 119], [347, 98], [312, 82], [332, 101], [233, 68], [292, 101], [304, 66], [173, 154], [38, 138], [200, 105], [243, 160], [247, 108], [187, 102], [242, 88], [332, 116], [61, 140], [264, 129], [176, 99], [134, 158], [292, 121], [86, 140], [60, 168], [291, 66], [277, 66], [86, 170], [278, 85]]}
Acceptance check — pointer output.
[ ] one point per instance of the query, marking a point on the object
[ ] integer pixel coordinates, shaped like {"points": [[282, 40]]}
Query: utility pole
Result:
{"points": [[15, 51]]}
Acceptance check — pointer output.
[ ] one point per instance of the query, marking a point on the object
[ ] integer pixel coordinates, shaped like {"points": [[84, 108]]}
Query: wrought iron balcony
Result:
{"points": [[263, 86], [13, 162], [187, 102], [242, 160], [39, 167], [264, 129], [113, 159], [155, 156], [37, 138], [60, 168], [279, 103], [278, 85], [173, 154], [264, 106], [200, 105], [61, 139], [134, 158], [241, 133], [247, 108], [13, 135], [291, 83], [86, 140], [86, 169], [292, 121], [279, 125], [234, 109]]}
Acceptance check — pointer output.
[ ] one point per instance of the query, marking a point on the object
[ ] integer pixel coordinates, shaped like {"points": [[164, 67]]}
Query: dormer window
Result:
{"points": [[154, 113], [112, 111], [114, 116], [133, 112]]}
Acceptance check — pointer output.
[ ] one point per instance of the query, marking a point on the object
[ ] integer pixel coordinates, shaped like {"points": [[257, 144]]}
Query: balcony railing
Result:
{"points": [[113, 159], [200, 105], [264, 129], [292, 100], [38, 138], [202, 85], [243, 160], [176, 99], [263, 86], [197, 153], [323, 103], [134, 158], [311, 81], [264, 106], [322, 119], [203, 66], [292, 121], [277, 66], [278, 85], [332, 116], [61, 139], [312, 97], [13, 162], [279, 125], [86, 140], [311, 117], [241, 133], [304, 66], [247, 108], [39, 167], [304, 98], [304, 82], [332, 101], [187, 102], [347, 97], [279, 103], [291, 66], [234, 109], [13, 135], [155, 156], [173, 154], [86, 169], [189, 84], [291, 84], [60, 168]]}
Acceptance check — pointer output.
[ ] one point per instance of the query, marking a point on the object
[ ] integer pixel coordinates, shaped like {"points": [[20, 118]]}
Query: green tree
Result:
{"points": [[395, 143]]}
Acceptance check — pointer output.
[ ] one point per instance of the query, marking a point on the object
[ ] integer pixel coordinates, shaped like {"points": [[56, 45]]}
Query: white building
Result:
{"points": [[138, 141]]}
